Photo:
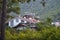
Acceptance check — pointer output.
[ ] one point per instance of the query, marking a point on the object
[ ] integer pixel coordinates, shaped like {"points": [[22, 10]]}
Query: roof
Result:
{"points": [[30, 20]]}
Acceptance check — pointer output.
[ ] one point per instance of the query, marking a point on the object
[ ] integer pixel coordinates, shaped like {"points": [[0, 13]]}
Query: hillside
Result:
{"points": [[52, 8]]}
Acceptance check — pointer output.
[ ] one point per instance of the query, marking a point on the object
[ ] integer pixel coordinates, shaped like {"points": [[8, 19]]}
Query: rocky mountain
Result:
{"points": [[51, 9]]}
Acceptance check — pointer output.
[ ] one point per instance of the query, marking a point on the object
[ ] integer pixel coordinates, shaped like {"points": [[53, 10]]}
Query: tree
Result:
{"points": [[3, 16], [43, 3], [9, 5], [13, 5]]}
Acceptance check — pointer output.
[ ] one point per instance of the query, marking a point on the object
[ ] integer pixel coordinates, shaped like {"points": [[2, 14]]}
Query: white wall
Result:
{"points": [[14, 22]]}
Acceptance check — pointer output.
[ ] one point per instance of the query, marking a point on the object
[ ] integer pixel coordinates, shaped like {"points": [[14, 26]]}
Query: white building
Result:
{"points": [[56, 23], [23, 22], [14, 22]]}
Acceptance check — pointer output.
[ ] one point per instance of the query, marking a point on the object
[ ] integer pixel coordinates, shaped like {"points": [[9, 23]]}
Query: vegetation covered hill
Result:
{"points": [[43, 32], [52, 8]]}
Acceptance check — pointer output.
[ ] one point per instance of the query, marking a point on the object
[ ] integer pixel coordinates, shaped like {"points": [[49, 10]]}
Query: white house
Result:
{"points": [[23, 22], [56, 23], [15, 21]]}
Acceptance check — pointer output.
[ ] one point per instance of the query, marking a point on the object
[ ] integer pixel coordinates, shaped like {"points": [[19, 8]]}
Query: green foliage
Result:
{"points": [[45, 24], [48, 33], [43, 32], [49, 20], [13, 5], [40, 26]]}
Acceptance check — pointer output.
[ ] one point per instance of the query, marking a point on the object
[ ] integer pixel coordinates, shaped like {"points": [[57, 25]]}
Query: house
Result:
{"points": [[56, 23], [15, 21], [21, 23], [32, 21]]}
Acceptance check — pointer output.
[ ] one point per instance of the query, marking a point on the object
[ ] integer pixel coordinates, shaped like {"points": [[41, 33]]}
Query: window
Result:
{"points": [[17, 20], [11, 22]]}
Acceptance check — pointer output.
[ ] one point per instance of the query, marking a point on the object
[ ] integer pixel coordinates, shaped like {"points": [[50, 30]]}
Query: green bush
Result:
{"points": [[50, 33]]}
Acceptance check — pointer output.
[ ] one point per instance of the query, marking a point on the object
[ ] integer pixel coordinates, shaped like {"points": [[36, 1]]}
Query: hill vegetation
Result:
{"points": [[44, 31]]}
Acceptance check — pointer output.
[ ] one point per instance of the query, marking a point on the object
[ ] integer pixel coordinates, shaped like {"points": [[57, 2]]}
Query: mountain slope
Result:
{"points": [[52, 8]]}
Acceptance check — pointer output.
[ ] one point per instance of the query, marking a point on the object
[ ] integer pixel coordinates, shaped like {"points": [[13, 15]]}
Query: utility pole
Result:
{"points": [[3, 17]]}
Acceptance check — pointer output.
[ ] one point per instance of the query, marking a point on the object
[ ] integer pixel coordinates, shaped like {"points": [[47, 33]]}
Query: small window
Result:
{"points": [[17, 20], [11, 22]]}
